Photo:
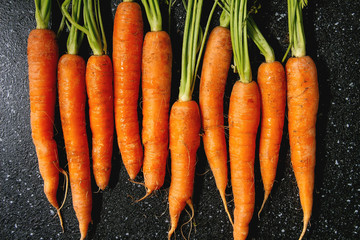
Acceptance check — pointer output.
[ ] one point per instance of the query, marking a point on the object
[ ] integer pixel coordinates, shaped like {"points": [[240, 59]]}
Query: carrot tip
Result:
{"points": [[61, 221], [306, 222], [266, 195], [226, 208], [148, 193]]}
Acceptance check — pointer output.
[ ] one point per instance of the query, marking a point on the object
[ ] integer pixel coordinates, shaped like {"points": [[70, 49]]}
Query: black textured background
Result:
{"points": [[333, 35]]}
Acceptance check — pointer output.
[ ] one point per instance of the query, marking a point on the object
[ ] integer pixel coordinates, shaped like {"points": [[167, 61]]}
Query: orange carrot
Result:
{"points": [[72, 101], [244, 118], [272, 85], [99, 76], [303, 102], [43, 55], [127, 47], [156, 89], [72, 97], [216, 64]]}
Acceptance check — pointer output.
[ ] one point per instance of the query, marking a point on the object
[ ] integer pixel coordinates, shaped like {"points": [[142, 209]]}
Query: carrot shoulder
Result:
{"points": [[99, 78], [216, 64], [244, 117], [303, 101], [127, 50], [43, 56], [156, 89], [72, 98]]}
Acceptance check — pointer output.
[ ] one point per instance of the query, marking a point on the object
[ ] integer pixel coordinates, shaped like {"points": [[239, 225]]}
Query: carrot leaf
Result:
{"points": [[42, 13], [153, 14]]}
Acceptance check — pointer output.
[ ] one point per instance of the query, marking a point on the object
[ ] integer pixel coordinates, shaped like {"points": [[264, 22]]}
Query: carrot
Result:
{"points": [[156, 89], [244, 117], [99, 78], [303, 102], [272, 85], [72, 100], [185, 122], [127, 47], [43, 55], [215, 68]]}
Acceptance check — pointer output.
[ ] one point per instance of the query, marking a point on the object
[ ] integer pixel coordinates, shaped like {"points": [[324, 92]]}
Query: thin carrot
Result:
{"points": [[185, 122], [215, 68], [272, 85], [244, 117], [303, 102], [127, 49], [156, 89], [43, 55], [72, 100]]}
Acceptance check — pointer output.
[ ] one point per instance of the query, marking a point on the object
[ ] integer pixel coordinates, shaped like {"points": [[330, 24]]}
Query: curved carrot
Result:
{"points": [[72, 98], [184, 142], [303, 102], [43, 56], [216, 64], [99, 78], [127, 47], [156, 89], [244, 117]]}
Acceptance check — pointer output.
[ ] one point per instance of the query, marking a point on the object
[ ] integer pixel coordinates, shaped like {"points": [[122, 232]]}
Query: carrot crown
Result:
{"points": [[296, 28], [42, 13], [93, 26], [75, 37], [259, 40], [153, 14], [193, 45], [238, 32]]}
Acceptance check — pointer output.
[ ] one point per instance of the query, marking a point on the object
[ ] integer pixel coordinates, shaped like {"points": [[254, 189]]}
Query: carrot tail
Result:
{"points": [[99, 78], [244, 117], [184, 142], [127, 48], [156, 89], [266, 196], [72, 98]]}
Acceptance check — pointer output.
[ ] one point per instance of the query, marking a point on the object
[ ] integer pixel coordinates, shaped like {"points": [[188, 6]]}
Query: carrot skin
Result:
{"points": [[43, 55], [156, 89], [127, 51], [99, 86], [184, 142], [244, 117], [272, 85], [216, 64], [303, 102], [72, 100]]}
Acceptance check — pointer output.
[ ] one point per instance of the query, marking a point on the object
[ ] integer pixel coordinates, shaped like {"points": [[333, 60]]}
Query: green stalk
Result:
{"points": [[238, 31], [225, 16], [153, 14], [259, 40], [42, 13]]}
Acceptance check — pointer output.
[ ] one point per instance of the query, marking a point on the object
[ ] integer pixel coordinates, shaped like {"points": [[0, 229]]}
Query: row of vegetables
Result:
{"points": [[111, 89]]}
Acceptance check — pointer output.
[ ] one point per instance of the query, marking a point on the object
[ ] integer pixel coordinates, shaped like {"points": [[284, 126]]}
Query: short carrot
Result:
{"points": [[303, 102], [272, 85], [43, 55], [185, 122], [215, 68], [72, 101], [156, 89], [127, 51], [244, 118]]}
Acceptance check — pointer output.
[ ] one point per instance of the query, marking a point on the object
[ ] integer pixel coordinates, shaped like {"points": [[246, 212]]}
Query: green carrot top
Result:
{"points": [[42, 13], [153, 14], [296, 28], [238, 32]]}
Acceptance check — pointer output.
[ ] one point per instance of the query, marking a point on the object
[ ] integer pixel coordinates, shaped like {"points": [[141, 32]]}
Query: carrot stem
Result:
{"points": [[153, 14], [42, 13]]}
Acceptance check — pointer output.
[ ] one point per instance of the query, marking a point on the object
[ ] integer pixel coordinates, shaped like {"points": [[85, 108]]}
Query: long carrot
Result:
{"points": [[272, 85], [43, 55], [72, 100], [127, 48], [244, 117], [99, 86], [185, 119], [156, 89], [303, 102], [215, 68]]}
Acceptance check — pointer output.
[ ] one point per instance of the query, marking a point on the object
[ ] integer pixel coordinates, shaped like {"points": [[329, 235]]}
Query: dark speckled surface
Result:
{"points": [[332, 32]]}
